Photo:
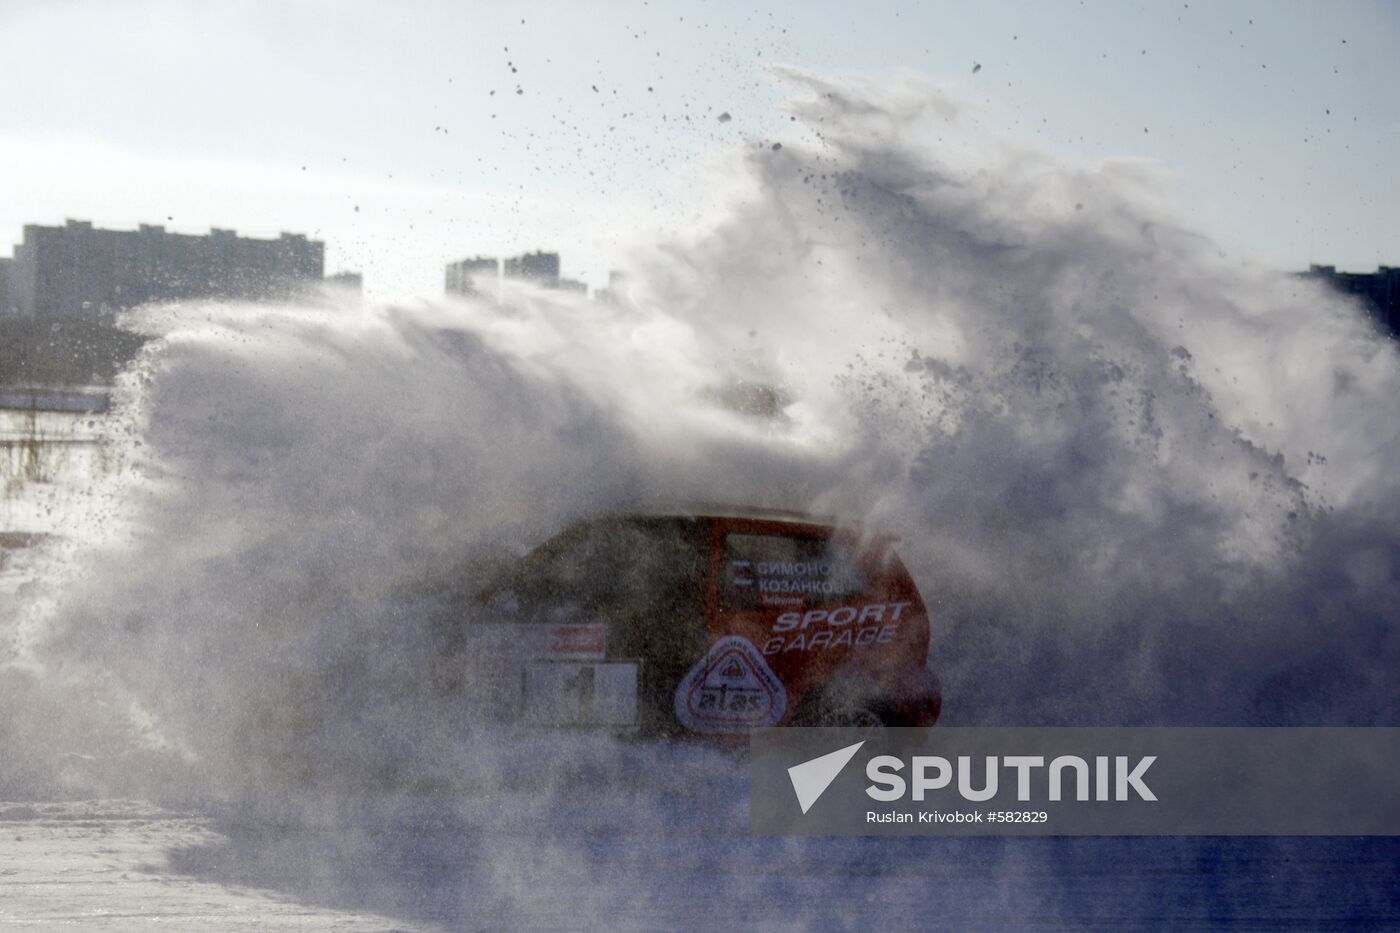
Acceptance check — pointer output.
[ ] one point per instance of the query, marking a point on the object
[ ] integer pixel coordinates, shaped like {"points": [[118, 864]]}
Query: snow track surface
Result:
{"points": [[436, 866]]}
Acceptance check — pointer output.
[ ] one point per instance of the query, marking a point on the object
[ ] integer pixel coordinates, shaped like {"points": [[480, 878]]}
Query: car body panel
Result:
{"points": [[723, 622]]}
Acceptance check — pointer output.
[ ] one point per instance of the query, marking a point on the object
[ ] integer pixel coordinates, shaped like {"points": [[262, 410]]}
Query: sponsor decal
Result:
{"points": [[582, 642], [844, 615], [841, 627], [829, 638], [730, 689]]}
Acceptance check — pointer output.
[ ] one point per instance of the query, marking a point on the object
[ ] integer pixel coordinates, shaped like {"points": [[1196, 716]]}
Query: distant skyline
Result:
{"points": [[375, 127]]}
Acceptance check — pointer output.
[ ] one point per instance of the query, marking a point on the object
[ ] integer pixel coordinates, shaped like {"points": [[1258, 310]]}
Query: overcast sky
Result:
{"points": [[409, 134]]}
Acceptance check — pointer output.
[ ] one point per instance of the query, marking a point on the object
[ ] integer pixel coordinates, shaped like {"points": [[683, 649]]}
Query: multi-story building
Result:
{"points": [[461, 276], [538, 268], [78, 272], [349, 281], [613, 293], [1379, 291]]}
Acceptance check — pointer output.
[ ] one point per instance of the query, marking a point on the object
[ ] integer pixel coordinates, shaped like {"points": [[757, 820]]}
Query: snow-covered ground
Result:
{"points": [[129, 866], [48, 460], [106, 865]]}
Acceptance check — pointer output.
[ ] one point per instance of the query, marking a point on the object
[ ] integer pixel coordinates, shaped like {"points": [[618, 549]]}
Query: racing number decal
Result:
{"points": [[582, 682], [730, 689], [566, 693]]}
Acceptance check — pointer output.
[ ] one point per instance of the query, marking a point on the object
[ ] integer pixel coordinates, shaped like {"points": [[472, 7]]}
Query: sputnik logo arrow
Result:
{"points": [[811, 778]]}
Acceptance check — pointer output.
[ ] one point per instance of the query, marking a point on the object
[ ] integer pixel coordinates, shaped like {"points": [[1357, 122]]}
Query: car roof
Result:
{"points": [[710, 510]]}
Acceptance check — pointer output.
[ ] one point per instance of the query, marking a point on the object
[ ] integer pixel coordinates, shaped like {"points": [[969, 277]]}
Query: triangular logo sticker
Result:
{"points": [[730, 689]]}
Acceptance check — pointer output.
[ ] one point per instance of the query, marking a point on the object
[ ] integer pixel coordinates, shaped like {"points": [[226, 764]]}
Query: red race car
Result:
{"points": [[708, 623]]}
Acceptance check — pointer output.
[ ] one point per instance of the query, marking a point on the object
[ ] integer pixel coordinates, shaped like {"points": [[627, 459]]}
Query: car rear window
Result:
{"points": [[772, 570], [610, 565]]}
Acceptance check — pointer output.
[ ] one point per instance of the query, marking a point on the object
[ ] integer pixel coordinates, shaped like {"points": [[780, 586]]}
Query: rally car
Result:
{"points": [[700, 624]]}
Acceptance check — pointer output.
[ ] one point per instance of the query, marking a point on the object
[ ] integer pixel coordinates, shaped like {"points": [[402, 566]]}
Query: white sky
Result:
{"points": [[269, 116]]}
